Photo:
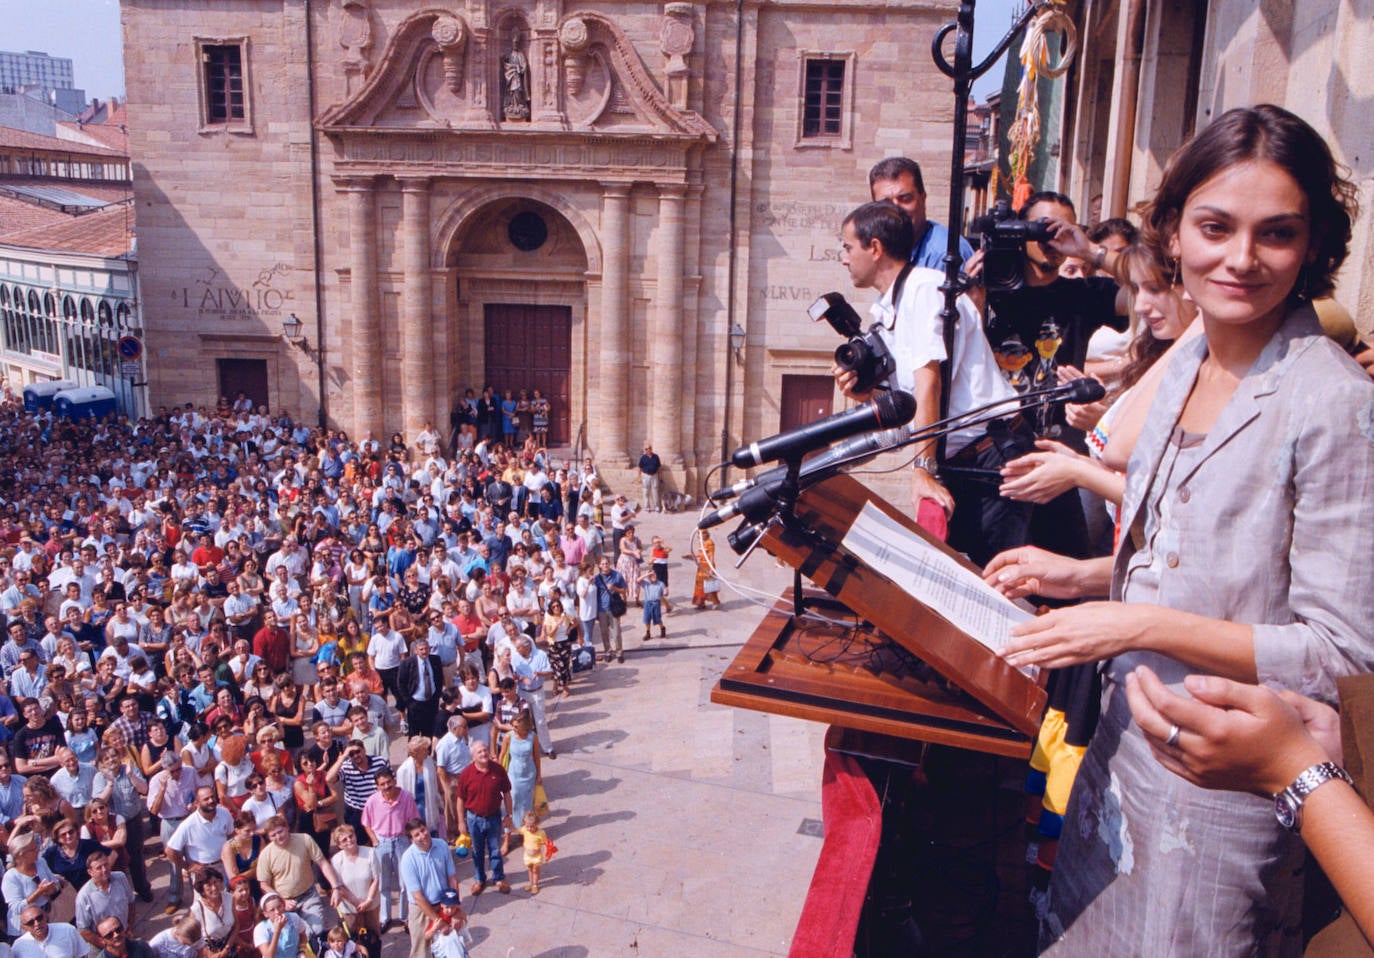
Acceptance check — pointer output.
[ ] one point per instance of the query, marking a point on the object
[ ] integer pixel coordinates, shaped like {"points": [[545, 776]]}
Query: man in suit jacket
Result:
{"points": [[418, 683]]}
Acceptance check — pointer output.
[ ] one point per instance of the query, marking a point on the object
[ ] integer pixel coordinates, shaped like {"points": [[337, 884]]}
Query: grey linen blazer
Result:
{"points": [[1274, 524]]}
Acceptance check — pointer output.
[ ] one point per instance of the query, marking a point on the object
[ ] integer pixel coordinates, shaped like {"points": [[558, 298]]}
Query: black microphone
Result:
{"points": [[1082, 391], [849, 452], [754, 504], [887, 410]]}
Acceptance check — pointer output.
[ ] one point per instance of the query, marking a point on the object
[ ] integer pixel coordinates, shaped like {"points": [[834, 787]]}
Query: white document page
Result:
{"points": [[933, 578]]}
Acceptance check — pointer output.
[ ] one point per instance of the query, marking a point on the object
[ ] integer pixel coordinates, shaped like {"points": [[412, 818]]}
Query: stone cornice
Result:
{"points": [[512, 155]]}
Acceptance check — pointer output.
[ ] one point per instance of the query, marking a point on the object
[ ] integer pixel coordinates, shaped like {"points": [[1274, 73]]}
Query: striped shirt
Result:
{"points": [[359, 784]]}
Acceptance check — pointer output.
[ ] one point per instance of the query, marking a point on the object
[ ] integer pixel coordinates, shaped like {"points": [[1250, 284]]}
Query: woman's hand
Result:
{"points": [[1083, 633], [1233, 735], [1041, 476], [1030, 570]]}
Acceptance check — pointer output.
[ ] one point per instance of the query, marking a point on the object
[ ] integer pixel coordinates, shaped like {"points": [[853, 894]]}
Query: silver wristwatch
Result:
{"points": [[929, 463], [1288, 803]]}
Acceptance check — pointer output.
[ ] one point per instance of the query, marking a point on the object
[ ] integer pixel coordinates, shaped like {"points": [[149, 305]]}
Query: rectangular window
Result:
{"points": [[823, 111], [223, 82], [825, 106]]}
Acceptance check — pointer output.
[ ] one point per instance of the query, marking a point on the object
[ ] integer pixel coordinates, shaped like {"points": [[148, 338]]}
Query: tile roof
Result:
{"points": [[108, 232], [24, 140]]}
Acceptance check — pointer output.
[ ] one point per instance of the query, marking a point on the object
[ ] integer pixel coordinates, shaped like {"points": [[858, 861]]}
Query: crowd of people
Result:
{"points": [[220, 627]]}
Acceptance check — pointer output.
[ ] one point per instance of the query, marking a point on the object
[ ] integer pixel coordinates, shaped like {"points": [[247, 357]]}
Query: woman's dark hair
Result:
{"points": [[203, 876], [1264, 132]]}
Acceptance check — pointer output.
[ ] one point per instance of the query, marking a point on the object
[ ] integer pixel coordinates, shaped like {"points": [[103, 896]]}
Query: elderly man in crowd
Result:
{"points": [[44, 939]]}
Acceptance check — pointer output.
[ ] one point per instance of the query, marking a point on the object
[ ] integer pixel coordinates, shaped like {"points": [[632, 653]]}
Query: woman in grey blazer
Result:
{"points": [[1244, 552]]}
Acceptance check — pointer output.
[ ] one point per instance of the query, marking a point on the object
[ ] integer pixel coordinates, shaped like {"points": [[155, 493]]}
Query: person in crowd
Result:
{"points": [[484, 792], [384, 816], [29, 880], [286, 867], [359, 889], [44, 939], [427, 871], [107, 896]]}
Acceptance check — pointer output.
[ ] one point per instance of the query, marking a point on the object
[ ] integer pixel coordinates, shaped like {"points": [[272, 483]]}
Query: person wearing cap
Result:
{"points": [[280, 933], [444, 933], [44, 939], [427, 871]]}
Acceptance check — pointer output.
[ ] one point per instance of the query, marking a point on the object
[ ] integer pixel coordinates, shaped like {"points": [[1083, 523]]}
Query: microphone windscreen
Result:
{"points": [[1086, 390], [895, 408]]}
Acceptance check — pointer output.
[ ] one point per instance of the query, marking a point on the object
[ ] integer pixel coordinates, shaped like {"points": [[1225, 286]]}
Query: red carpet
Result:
{"points": [[853, 825]]}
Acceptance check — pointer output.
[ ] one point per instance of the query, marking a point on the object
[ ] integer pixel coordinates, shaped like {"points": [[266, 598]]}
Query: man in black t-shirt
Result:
{"points": [[36, 744], [1046, 324]]}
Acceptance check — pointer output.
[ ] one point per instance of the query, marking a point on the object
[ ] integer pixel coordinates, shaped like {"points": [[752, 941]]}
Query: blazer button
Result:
{"points": [[1171, 560], [1184, 494]]}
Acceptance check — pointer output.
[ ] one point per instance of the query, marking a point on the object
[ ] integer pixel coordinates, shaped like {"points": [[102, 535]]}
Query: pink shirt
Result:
{"points": [[388, 819]]}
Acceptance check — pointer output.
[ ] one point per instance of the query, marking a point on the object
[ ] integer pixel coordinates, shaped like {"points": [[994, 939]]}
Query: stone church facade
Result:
{"points": [[627, 205]]}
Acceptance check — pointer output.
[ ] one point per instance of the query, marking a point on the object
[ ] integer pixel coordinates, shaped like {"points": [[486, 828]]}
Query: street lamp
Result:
{"points": [[292, 328]]}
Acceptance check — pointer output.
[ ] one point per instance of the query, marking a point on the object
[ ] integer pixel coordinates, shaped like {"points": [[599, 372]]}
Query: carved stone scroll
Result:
{"points": [[450, 34]]}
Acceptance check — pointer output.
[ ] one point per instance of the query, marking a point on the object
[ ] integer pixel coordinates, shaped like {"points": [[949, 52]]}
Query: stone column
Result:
{"points": [[365, 330], [611, 411], [417, 317], [665, 331]]}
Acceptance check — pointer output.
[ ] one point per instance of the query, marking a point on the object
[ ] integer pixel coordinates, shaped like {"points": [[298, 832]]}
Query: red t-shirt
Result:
{"points": [[481, 791], [470, 627]]}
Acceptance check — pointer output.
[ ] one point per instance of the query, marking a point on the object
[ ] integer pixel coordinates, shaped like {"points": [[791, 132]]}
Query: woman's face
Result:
{"points": [[1160, 306], [1243, 238]]}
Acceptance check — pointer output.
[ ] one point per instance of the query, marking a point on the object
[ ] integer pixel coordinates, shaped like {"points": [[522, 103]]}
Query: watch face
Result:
{"points": [[1284, 810]]}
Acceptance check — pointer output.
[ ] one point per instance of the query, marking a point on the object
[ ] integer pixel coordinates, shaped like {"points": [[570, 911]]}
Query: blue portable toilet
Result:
{"points": [[87, 402], [40, 395]]}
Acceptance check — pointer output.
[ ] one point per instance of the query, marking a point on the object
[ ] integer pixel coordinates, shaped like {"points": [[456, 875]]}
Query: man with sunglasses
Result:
{"points": [[44, 939], [116, 943]]}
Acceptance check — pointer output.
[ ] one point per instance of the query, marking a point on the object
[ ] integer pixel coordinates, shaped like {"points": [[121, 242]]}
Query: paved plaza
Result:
{"points": [[683, 827]]}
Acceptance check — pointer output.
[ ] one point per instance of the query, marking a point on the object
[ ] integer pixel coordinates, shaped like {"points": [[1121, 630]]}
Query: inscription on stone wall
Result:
{"points": [[213, 296], [794, 217]]}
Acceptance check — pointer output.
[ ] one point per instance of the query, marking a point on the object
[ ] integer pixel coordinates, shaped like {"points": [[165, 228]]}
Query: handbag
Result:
{"points": [[541, 801], [618, 606], [710, 586], [584, 659]]}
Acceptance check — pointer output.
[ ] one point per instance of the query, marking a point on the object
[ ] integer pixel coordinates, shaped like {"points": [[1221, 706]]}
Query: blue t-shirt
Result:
{"points": [[930, 248]]}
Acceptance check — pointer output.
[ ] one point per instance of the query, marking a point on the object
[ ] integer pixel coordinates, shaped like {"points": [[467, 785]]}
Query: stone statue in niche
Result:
{"points": [[515, 69]]}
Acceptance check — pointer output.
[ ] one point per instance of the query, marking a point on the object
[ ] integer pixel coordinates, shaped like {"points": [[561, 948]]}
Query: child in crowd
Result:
{"points": [[651, 592], [447, 939], [182, 940], [341, 946], [535, 840]]}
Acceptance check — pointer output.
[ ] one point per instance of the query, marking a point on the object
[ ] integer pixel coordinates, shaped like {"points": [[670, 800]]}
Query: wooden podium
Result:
{"points": [[867, 656]]}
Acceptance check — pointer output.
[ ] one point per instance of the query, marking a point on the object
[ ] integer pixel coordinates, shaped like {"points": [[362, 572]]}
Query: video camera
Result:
{"points": [[862, 354], [1004, 239]]}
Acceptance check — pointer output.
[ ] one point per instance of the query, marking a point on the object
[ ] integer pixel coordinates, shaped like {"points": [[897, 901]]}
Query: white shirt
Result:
{"points": [[201, 841], [914, 336], [63, 941]]}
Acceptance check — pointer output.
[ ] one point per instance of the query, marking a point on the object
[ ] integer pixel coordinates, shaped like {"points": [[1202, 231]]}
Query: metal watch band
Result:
{"points": [[928, 463], [1288, 803]]}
